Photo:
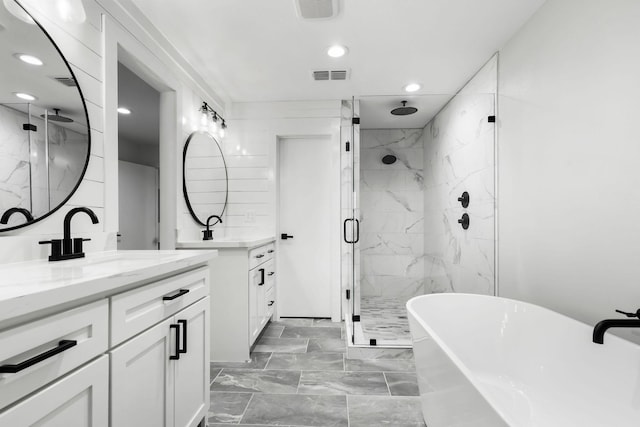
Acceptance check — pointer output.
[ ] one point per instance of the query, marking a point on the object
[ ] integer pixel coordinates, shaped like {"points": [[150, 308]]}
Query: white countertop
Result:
{"points": [[31, 286], [226, 242]]}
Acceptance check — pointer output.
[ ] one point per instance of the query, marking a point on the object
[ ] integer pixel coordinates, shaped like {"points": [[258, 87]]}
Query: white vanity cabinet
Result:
{"points": [[160, 377], [243, 293], [132, 351]]}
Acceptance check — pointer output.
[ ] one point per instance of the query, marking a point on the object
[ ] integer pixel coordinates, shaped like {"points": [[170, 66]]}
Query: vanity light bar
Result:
{"points": [[214, 114]]}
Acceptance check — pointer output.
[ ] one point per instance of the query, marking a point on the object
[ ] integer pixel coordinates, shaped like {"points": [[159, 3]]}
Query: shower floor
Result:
{"points": [[385, 320]]}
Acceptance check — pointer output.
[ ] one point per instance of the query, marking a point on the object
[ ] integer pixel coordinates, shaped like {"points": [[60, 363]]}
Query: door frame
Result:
{"points": [[121, 46], [335, 234]]}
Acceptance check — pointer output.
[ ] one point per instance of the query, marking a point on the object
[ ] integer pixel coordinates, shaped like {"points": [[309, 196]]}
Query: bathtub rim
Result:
{"points": [[463, 368]]}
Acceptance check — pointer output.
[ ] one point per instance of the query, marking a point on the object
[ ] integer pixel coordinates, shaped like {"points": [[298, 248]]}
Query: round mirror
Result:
{"points": [[44, 125], [204, 177]]}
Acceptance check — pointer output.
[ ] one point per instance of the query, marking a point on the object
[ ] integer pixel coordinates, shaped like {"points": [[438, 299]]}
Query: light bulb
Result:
{"points": [[204, 118], [222, 133]]}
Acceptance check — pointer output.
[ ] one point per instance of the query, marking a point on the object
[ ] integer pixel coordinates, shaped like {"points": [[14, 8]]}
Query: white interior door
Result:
{"points": [[138, 206], [304, 270]]}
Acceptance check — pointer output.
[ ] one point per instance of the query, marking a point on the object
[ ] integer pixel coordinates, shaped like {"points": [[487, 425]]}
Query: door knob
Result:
{"points": [[285, 236], [464, 221]]}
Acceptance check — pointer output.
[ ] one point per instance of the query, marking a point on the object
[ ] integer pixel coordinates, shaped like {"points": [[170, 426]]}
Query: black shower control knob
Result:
{"points": [[464, 221], [464, 199]]}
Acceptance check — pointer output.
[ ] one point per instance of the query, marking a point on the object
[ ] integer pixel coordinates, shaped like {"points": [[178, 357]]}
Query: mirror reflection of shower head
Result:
{"points": [[57, 117], [389, 159], [404, 110]]}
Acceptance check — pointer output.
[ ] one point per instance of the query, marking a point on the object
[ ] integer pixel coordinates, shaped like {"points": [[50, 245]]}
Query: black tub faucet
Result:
{"points": [[208, 233], [601, 327], [9, 212], [68, 248]]}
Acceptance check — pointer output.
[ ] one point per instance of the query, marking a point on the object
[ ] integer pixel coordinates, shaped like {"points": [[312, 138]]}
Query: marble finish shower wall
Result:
{"points": [[459, 156], [392, 203], [14, 160]]}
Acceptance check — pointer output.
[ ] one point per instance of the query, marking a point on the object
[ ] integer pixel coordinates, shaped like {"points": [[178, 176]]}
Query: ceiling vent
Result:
{"points": [[67, 81], [317, 9], [319, 75]]}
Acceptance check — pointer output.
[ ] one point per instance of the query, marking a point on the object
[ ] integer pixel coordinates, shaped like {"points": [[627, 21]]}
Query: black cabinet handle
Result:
{"points": [[260, 256], [177, 355], [285, 236], [178, 295], [270, 303], [271, 273], [62, 346], [357, 231], [184, 336], [261, 277], [270, 251]]}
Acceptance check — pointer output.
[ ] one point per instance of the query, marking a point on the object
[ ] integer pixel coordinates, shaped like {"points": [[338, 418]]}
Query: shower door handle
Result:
{"points": [[344, 231]]}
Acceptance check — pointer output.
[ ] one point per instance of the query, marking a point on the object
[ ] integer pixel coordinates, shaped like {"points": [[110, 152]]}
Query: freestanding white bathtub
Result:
{"points": [[485, 361]]}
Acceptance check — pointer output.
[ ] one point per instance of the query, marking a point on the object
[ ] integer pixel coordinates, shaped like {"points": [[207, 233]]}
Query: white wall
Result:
{"points": [[569, 176], [250, 153], [392, 218], [85, 48], [459, 155]]}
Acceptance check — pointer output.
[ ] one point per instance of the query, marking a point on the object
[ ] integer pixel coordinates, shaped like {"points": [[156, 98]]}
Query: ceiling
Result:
{"points": [[257, 50], [142, 126]]}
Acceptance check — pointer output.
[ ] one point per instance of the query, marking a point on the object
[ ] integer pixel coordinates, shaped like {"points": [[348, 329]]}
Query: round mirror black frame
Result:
{"points": [[86, 113], [184, 176]]}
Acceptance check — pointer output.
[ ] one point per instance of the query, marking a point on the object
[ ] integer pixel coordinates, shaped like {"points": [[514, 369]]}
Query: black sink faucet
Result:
{"points": [[601, 327], [68, 248], [208, 233], [9, 212]]}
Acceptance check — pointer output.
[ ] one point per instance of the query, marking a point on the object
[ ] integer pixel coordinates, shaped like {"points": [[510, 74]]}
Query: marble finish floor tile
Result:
{"points": [[310, 332], [367, 411], [213, 373], [402, 383], [326, 323], [273, 331], [282, 345], [297, 410], [385, 320], [227, 407], [386, 365], [323, 382], [258, 361], [327, 345], [379, 353], [260, 381], [291, 321], [307, 361]]}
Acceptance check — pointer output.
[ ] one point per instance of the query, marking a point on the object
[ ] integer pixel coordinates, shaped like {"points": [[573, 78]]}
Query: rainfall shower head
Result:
{"points": [[404, 110], [57, 117], [389, 159]]}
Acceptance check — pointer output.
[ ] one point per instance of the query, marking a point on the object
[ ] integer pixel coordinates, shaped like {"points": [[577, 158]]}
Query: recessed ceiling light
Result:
{"points": [[123, 110], [29, 59], [336, 51], [412, 87], [25, 96]]}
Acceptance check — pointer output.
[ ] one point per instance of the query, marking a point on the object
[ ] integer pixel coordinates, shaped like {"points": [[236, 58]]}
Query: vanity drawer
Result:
{"points": [[134, 311], [270, 273], [261, 254], [54, 346], [270, 301]]}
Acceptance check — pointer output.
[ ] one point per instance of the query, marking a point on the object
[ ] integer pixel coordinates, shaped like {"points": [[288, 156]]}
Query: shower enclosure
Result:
{"points": [[403, 210]]}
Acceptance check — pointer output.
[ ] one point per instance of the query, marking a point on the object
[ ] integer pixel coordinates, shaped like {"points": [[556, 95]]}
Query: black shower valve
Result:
{"points": [[464, 199]]}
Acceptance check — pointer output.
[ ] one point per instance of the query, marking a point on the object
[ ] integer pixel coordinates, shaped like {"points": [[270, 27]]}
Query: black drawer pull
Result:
{"points": [[177, 348], [261, 277], [260, 256], [62, 346], [270, 251], [271, 273], [270, 303], [184, 336], [178, 295]]}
